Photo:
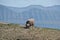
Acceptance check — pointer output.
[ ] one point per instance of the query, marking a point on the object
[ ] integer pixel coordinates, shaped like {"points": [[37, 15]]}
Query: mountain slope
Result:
{"points": [[44, 16]]}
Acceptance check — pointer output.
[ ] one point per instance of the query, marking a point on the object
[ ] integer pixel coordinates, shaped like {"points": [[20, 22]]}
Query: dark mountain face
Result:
{"points": [[44, 16]]}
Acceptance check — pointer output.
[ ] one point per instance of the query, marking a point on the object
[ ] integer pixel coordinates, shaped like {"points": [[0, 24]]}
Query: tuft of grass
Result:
{"points": [[51, 29]]}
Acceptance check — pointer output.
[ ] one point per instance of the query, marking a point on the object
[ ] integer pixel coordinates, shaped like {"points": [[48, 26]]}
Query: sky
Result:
{"points": [[23, 3]]}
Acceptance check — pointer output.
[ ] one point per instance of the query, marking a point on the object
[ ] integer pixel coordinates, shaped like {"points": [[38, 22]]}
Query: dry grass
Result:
{"points": [[17, 32]]}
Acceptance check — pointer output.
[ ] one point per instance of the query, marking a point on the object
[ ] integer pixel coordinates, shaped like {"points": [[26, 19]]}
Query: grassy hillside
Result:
{"points": [[17, 32]]}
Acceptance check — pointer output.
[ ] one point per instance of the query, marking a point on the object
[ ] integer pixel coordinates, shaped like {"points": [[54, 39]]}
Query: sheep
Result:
{"points": [[29, 22]]}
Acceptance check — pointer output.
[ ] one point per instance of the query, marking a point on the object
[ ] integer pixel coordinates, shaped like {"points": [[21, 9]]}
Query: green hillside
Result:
{"points": [[18, 32]]}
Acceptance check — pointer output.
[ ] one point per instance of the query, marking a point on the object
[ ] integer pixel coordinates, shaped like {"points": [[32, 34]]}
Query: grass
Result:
{"points": [[18, 32]]}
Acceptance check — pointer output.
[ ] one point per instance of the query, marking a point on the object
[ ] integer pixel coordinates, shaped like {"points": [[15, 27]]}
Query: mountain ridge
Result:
{"points": [[42, 15]]}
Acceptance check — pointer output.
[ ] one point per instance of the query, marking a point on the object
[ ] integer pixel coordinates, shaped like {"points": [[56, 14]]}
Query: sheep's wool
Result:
{"points": [[31, 20]]}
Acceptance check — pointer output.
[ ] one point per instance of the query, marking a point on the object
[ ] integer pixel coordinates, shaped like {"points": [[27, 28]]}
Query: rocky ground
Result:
{"points": [[17, 32]]}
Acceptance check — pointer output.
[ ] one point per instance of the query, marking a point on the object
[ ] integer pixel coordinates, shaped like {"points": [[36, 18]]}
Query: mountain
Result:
{"points": [[44, 16]]}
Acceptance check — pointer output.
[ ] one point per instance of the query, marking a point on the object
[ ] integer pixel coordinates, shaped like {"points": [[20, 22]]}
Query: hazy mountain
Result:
{"points": [[44, 16]]}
